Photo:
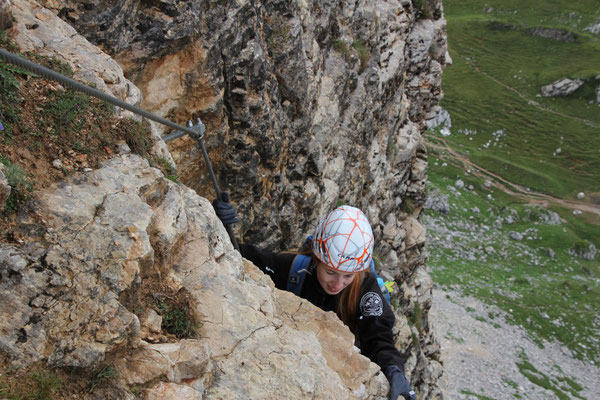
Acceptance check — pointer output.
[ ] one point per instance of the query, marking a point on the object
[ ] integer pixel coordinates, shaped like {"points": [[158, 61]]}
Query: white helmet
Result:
{"points": [[344, 240]]}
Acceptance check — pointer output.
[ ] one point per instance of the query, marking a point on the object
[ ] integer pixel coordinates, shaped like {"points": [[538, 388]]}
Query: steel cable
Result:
{"points": [[197, 133]]}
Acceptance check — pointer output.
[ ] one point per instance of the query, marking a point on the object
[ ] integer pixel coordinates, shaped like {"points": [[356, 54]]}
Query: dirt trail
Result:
{"points": [[512, 188]]}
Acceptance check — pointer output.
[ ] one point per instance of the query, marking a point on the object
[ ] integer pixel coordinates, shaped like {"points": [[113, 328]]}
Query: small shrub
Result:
{"points": [[177, 319], [363, 53], [102, 376], [416, 317], [166, 168], [67, 110], [425, 9], [19, 185], [341, 47], [136, 135], [408, 205]]}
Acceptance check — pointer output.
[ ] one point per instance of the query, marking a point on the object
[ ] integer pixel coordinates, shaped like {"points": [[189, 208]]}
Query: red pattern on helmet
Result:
{"points": [[347, 231]]}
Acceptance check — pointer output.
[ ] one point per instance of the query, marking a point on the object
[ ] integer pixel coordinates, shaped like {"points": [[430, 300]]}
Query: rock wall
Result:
{"points": [[307, 105], [105, 245]]}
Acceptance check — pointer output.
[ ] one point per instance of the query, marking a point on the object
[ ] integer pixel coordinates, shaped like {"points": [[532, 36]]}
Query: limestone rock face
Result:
{"points": [[38, 29], [307, 105], [69, 297]]}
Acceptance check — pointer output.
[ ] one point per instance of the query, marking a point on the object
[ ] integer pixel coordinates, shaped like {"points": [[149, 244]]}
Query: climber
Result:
{"points": [[338, 279]]}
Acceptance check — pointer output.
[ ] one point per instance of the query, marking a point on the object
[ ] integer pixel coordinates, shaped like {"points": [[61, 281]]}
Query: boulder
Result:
{"points": [[437, 201], [593, 29], [561, 88]]}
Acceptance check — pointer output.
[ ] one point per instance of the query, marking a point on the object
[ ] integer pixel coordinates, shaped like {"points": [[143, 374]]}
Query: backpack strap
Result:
{"points": [[382, 285], [297, 273]]}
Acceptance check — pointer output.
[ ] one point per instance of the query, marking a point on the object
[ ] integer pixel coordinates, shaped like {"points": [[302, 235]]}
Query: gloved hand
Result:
{"points": [[399, 385], [225, 210]]}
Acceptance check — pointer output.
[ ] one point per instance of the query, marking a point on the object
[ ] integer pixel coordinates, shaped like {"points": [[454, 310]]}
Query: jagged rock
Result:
{"points": [[543, 215], [41, 31], [295, 123], [415, 233], [112, 231], [439, 117], [562, 87]]}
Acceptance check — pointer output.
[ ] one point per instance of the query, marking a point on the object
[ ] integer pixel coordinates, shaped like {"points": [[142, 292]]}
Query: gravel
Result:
{"points": [[480, 355]]}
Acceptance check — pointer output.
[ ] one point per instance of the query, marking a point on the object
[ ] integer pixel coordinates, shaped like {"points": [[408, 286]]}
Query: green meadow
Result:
{"points": [[498, 246], [491, 92]]}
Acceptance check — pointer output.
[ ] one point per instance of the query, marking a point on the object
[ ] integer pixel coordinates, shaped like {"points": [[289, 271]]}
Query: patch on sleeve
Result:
{"points": [[371, 305]]}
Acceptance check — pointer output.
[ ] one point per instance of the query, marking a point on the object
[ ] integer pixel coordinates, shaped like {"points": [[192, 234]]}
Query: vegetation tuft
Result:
{"points": [[416, 316], [363, 53], [103, 376], [40, 385], [358, 49], [48, 132], [341, 47], [177, 318], [20, 187]]}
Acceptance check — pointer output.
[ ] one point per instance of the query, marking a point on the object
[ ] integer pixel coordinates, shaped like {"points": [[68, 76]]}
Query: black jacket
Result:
{"points": [[375, 318]]}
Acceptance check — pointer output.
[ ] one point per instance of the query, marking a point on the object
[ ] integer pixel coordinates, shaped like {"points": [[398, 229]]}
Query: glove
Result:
{"points": [[399, 386], [224, 210]]}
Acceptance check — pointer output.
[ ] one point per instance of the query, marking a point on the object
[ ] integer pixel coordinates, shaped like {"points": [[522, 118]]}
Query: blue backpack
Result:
{"points": [[300, 266]]}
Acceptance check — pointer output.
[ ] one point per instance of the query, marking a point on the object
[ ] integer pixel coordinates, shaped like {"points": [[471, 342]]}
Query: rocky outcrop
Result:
{"points": [[562, 35], [585, 250], [307, 105], [593, 29], [562, 87], [108, 243]]}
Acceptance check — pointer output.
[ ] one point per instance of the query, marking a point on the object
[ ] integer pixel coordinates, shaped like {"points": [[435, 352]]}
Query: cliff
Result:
{"points": [[307, 104]]}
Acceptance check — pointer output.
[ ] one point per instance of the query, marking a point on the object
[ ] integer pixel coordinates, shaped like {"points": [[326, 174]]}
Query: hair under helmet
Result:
{"points": [[343, 240]]}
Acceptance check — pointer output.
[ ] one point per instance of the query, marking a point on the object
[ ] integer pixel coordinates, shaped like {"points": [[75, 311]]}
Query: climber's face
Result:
{"points": [[331, 280]]}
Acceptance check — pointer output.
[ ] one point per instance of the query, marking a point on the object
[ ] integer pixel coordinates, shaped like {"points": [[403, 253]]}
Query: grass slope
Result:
{"points": [[499, 68], [494, 244], [536, 280]]}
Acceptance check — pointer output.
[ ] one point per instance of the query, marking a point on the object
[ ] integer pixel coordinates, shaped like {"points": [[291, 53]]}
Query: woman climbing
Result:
{"points": [[337, 278]]}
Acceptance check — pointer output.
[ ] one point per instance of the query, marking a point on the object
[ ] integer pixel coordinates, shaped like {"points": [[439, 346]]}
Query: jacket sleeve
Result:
{"points": [[276, 265], [375, 321]]}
